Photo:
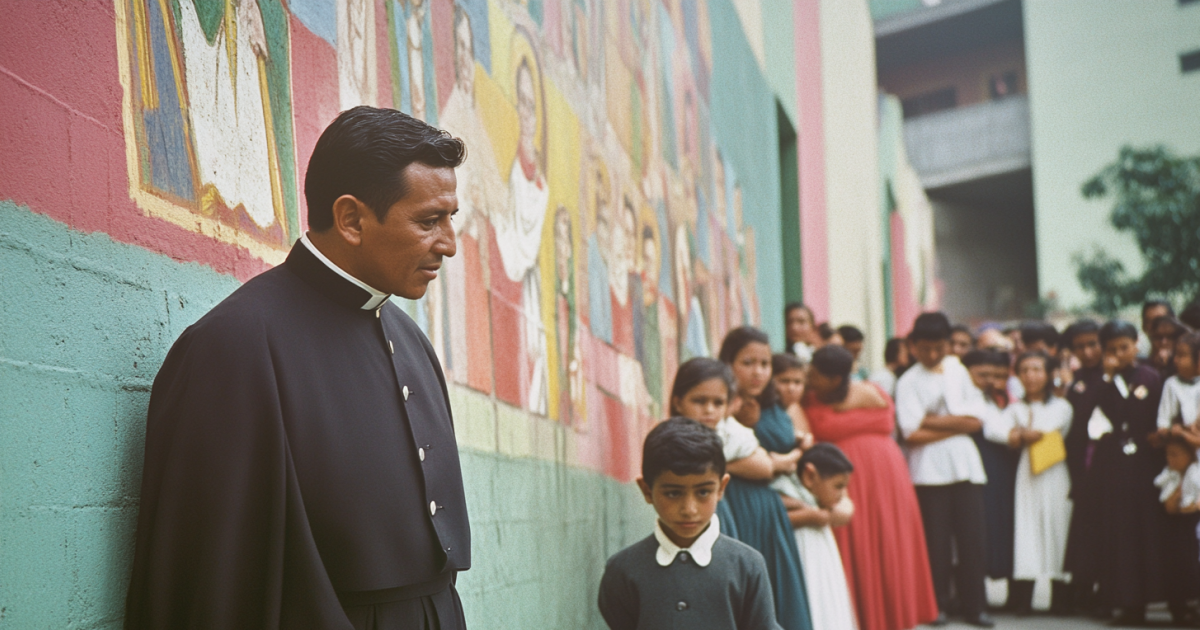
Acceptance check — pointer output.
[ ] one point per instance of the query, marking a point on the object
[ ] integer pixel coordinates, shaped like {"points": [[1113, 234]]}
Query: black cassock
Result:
{"points": [[1131, 519], [301, 469], [1087, 490]]}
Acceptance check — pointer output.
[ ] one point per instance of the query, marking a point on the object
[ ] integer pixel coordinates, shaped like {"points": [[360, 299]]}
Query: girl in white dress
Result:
{"points": [[1043, 509], [824, 474]]}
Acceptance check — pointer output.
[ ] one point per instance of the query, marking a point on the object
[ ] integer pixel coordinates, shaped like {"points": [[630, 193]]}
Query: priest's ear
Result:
{"points": [[349, 214]]}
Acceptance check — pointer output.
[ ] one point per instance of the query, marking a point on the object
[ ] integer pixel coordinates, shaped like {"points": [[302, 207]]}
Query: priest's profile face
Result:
{"points": [[402, 253], [381, 196]]}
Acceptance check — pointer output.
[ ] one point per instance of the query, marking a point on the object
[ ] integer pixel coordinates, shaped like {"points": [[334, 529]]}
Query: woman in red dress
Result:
{"points": [[883, 547]]}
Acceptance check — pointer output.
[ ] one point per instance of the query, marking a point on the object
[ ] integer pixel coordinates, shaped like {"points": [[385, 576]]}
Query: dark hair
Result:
{"points": [[364, 152], [826, 331], [1035, 331], [684, 447], [835, 361], [962, 328], [1192, 341], [985, 357], [739, 338], [1080, 327], [1149, 304], [930, 327], [1116, 329], [850, 333], [1178, 327], [783, 362], [891, 351], [829, 460], [792, 306], [1190, 315], [696, 371]]}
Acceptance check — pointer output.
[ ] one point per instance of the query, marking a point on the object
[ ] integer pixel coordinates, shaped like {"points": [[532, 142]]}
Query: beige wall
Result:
{"points": [[852, 171]]}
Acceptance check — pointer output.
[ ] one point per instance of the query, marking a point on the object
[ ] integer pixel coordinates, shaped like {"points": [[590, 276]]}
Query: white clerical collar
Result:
{"points": [[701, 550], [377, 297]]}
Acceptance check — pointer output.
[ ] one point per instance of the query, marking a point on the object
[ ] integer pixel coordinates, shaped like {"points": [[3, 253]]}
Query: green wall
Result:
{"points": [[85, 323], [745, 129]]}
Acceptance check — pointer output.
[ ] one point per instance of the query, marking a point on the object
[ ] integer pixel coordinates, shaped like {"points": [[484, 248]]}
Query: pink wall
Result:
{"points": [[813, 245]]}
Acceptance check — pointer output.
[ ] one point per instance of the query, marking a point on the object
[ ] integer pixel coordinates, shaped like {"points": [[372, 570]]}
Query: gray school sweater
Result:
{"points": [[733, 591]]}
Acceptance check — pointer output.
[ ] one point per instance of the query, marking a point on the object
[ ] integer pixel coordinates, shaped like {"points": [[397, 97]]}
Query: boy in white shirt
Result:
{"points": [[937, 410]]}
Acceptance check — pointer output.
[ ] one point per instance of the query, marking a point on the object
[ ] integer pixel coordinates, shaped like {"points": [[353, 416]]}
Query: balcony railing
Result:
{"points": [[968, 143]]}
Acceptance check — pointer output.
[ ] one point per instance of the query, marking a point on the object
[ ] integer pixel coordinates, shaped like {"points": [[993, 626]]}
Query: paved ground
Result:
{"points": [[1157, 619]]}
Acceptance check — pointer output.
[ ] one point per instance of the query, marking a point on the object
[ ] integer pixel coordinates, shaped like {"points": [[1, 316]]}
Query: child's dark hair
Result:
{"points": [[930, 327], [985, 357], [1116, 329], [1190, 315], [835, 361], [1192, 341], [826, 331], [739, 338], [850, 334], [1080, 327], [829, 460], [1177, 327], [1149, 304], [684, 447], [1035, 331], [891, 351], [1048, 362], [696, 371], [962, 328], [783, 362]]}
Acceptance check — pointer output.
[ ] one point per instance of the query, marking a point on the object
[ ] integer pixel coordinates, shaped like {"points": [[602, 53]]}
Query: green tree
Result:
{"points": [[1157, 199]]}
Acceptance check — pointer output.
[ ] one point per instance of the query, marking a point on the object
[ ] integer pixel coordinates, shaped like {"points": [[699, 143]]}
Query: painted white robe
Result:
{"points": [[1042, 507]]}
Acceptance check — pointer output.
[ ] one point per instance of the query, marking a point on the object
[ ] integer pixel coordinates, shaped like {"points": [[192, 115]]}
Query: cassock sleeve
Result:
{"points": [[222, 537]]}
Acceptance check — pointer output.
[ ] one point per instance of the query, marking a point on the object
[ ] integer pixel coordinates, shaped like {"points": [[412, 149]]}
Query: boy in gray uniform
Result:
{"points": [[687, 574]]}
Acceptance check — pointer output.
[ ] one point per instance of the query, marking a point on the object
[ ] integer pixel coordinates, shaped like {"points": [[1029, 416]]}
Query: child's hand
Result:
{"points": [[750, 411], [1191, 509], [1110, 365], [1158, 438]]}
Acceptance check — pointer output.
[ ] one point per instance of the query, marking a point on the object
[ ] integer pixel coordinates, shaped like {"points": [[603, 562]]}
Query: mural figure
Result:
{"points": [[202, 139], [570, 360], [519, 229], [599, 247], [356, 52]]}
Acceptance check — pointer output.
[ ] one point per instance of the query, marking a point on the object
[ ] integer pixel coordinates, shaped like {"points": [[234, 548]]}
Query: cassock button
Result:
{"points": [[405, 392], [378, 311], [421, 454], [391, 347], [432, 508], [681, 606]]}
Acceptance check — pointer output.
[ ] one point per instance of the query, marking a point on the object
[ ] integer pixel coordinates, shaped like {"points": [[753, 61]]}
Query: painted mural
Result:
{"points": [[601, 235]]}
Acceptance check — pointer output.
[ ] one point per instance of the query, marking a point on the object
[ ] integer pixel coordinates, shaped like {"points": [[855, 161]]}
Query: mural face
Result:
{"points": [[600, 229]]}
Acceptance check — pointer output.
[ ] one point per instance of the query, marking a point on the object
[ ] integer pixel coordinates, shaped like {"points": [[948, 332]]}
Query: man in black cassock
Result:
{"points": [[301, 468]]}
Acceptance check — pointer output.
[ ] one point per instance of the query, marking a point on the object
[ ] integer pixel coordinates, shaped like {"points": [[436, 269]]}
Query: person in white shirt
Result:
{"points": [[1042, 504], [937, 408], [1180, 402]]}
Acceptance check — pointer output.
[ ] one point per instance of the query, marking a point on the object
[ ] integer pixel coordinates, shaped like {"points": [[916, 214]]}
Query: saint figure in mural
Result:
{"points": [[599, 247], [356, 52], [570, 364], [519, 230], [479, 187]]}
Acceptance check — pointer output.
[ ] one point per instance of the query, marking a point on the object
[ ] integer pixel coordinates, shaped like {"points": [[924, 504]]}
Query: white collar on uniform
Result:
{"points": [[701, 550], [377, 297]]}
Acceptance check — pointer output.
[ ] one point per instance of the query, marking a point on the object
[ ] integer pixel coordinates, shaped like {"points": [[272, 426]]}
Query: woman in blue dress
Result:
{"points": [[762, 521]]}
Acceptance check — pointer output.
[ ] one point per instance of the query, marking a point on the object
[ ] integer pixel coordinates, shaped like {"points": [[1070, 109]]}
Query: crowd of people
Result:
{"points": [[883, 500]]}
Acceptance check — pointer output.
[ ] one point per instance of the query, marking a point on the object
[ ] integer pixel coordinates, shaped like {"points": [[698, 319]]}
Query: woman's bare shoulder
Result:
{"points": [[864, 396]]}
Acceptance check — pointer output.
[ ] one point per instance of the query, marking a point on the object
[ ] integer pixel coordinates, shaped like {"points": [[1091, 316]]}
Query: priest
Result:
{"points": [[301, 469]]}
